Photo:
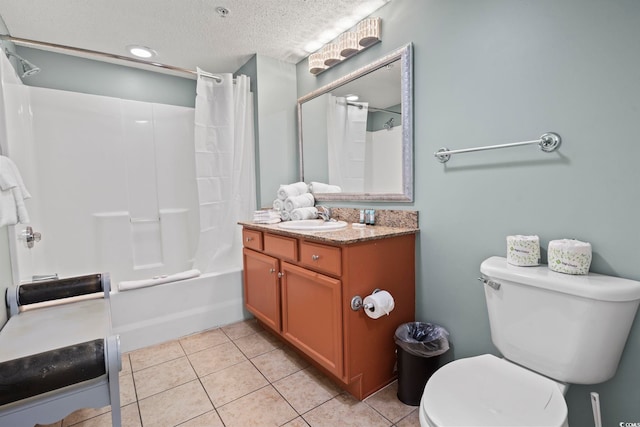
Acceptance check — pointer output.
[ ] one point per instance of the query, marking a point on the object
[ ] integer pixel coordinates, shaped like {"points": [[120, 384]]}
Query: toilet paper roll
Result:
{"points": [[523, 251], [381, 303], [569, 256]]}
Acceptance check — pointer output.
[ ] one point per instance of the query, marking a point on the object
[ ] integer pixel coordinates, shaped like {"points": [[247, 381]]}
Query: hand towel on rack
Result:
{"points": [[290, 190], [12, 194], [302, 201], [157, 280], [320, 187], [304, 213]]}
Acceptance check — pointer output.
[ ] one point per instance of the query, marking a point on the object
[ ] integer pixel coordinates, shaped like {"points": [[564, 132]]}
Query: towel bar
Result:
{"points": [[548, 142]]}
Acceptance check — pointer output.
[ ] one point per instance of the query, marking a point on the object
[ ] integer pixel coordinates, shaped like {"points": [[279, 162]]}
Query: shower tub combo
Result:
{"points": [[113, 190]]}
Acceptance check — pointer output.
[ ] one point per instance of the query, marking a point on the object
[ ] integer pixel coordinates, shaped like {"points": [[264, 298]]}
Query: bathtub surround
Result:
{"points": [[113, 186]]}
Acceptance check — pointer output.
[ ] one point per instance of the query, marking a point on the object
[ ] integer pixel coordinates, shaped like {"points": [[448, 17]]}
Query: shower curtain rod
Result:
{"points": [[373, 108], [36, 44]]}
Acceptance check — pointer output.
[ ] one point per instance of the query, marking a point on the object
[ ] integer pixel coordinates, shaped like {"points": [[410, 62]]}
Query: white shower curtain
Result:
{"points": [[346, 138], [225, 167]]}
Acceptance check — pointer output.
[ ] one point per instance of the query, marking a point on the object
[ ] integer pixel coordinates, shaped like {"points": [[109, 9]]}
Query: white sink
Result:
{"points": [[312, 225]]}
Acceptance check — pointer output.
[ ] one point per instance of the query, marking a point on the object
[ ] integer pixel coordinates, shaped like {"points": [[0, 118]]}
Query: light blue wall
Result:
{"points": [[276, 109], [498, 71], [274, 93], [66, 72]]}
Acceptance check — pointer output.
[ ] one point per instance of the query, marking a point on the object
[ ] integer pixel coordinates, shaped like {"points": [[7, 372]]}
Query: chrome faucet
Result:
{"points": [[324, 212]]}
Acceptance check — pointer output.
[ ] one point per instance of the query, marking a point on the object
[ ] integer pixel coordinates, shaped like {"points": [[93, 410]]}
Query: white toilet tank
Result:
{"points": [[570, 328]]}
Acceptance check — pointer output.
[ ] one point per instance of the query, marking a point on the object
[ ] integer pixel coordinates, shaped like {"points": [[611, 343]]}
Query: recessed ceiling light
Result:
{"points": [[222, 11], [141, 51]]}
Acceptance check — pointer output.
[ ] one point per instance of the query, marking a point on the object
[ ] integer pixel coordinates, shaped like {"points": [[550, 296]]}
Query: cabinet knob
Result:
{"points": [[272, 270], [315, 257], [280, 275], [248, 239]]}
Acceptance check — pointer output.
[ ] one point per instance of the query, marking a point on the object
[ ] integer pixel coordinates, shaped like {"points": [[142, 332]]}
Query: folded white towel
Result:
{"points": [[320, 187], [278, 204], [289, 190], [302, 201], [266, 216], [157, 280], [285, 215], [304, 213], [12, 194]]}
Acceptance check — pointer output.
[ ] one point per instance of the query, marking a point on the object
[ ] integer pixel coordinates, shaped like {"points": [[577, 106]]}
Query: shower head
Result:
{"points": [[26, 67]]}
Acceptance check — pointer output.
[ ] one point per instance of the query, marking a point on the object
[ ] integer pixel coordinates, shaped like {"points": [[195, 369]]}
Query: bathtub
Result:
{"points": [[155, 314]]}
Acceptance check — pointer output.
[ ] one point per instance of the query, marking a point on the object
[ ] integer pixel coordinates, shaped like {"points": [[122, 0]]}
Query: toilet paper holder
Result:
{"points": [[357, 304]]}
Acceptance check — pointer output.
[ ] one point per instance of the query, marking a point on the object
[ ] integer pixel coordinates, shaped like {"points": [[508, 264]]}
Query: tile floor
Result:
{"points": [[237, 375]]}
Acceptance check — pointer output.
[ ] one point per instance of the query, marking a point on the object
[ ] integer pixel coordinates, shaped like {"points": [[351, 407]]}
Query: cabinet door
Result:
{"points": [[261, 296], [312, 316]]}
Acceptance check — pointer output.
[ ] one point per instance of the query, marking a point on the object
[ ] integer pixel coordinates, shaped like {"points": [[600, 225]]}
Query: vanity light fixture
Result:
{"points": [[141, 51], [365, 34]]}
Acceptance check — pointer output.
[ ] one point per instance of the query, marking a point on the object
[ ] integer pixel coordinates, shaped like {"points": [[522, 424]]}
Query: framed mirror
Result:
{"points": [[356, 134]]}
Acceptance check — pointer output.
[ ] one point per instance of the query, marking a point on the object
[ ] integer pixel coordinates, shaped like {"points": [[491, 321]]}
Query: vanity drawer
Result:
{"points": [[321, 257], [252, 239], [283, 247]]}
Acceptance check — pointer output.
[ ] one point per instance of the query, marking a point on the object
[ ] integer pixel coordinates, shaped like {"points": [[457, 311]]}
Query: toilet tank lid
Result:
{"points": [[593, 286]]}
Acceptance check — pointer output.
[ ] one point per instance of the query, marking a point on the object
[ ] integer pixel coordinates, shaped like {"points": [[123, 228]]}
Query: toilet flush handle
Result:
{"points": [[489, 282]]}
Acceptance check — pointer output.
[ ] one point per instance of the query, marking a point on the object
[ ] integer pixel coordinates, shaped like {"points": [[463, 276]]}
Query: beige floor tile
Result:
{"points": [[83, 414], [232, 383], [126, 364], [154, 355], [164, 376], [306, 389], [411, 420], [256, 344], [386, 402], [206, 339], [175, 406], [215, 359], [344, 410], [264, 407], [242, 329], [130, 417], [127, 390], [298, 422], [279, 363], [210, 419]]}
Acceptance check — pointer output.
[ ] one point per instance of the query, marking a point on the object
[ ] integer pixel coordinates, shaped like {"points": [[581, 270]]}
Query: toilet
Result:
{"points": [[552, 330]]}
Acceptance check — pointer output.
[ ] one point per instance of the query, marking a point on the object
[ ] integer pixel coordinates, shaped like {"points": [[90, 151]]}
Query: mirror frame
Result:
{"points": [[405, 55]]}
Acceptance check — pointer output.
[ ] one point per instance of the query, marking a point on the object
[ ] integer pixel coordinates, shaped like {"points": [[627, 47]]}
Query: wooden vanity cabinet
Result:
{"points": [[307, 300], [261, 287], [312, 315]]}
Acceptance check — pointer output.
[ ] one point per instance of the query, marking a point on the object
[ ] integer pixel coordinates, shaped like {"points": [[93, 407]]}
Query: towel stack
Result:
{"points": [[266, 216], [294, 202], [13, 193]]}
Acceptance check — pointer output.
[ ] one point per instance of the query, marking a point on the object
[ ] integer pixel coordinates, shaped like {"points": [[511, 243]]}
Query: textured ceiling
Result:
{"points": [[185, 33]]}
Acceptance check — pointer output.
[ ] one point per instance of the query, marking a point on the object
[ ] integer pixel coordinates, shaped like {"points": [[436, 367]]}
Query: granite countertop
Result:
{"points": [[343, 236]]}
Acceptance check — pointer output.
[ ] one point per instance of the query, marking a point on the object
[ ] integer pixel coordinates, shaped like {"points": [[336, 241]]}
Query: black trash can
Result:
{"points": [[419, 346]]}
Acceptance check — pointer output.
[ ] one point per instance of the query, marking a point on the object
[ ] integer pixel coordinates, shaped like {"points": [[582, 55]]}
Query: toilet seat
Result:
{"points": [[488, 391]]}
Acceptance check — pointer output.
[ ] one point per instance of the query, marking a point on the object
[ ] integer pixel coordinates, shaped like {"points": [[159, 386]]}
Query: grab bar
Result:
{"points": [[548, 142]]}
